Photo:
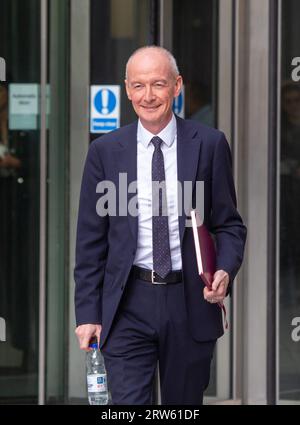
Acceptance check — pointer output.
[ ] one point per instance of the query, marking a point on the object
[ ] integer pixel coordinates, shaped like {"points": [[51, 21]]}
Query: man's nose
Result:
{"points": [[149, 95]]}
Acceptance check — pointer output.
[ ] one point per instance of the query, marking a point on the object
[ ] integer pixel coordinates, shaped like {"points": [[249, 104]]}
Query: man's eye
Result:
{"points": [[137, 86]]}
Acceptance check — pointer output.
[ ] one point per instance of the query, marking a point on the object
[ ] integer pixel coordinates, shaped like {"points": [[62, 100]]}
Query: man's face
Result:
{"points": [[151, 86]]}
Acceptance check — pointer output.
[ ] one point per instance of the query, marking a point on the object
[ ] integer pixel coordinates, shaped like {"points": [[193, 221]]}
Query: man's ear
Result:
{"points": [[127, 89], [178, 85]]}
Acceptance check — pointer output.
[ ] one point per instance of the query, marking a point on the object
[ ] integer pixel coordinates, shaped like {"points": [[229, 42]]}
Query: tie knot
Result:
{"points": [[156, 141]]}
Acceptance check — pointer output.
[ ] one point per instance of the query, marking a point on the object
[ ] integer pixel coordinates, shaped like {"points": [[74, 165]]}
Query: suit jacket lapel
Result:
{"points": [[188, 152], [126, 158]]}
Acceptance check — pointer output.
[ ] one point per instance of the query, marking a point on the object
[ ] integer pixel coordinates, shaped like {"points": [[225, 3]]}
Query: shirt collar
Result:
{"points": [[167, 134]]}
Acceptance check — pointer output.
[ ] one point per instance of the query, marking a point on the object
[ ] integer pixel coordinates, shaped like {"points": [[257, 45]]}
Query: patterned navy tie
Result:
{"points": [[160, 230]]}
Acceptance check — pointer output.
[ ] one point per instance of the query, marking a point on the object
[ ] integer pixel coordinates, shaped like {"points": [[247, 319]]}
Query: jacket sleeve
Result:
{"points": [[227, 224], [91, 245]]}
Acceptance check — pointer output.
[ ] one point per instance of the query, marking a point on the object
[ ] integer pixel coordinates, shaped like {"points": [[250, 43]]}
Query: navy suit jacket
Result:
{"points": [[106, 246]]}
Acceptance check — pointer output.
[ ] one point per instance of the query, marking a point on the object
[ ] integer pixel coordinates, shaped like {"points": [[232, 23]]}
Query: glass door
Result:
{"points": [[19, 199], [34, 148], [289, 264]]}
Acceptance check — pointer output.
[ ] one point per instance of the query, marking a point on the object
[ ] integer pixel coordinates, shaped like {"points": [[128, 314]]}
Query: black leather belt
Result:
{"points": [[152, 277]]}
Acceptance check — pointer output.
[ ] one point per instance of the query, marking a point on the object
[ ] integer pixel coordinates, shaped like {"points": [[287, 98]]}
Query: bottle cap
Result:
{"points": [[93, 343]]}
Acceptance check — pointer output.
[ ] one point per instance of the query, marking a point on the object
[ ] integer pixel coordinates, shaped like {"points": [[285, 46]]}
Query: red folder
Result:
{"points": [[205, 250], [205, 254]]}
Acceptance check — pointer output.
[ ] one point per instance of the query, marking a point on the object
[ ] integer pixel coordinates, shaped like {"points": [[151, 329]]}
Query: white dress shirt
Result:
{"points": [[145, 149]]}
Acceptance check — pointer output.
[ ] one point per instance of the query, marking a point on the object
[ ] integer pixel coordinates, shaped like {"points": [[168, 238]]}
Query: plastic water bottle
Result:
{"points": [[96, 376]]}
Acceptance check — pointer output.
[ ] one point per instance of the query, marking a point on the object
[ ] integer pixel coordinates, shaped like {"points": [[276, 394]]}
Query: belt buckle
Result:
{"points": [[153, 279]]}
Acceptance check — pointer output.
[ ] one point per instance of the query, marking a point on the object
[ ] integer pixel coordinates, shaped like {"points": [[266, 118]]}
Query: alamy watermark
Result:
{"points": [[295, 335], [2, 329], [296, 71], [123, 200], [2, 69]]}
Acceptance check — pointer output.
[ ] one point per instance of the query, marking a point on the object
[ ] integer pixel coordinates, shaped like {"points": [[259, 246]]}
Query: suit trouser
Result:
{"points": [[150, 325]]}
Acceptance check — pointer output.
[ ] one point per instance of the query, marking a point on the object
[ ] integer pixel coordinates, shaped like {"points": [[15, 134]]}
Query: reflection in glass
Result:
{"points": [[19, 204], [194, 46], [289, 300]]}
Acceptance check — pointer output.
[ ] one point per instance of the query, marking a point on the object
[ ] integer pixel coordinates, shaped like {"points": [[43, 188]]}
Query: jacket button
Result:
{"points": [[122, 287]]}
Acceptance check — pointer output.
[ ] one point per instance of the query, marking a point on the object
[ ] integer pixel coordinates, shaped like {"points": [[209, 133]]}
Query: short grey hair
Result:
{"points": [[165, 52]]}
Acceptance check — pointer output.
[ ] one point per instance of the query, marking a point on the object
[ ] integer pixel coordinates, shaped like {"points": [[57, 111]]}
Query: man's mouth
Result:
{"points": [[151, 108]]}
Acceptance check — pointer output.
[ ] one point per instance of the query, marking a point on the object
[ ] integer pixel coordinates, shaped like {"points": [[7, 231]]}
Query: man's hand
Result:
{"points": [[85, 333], [219, 287]]}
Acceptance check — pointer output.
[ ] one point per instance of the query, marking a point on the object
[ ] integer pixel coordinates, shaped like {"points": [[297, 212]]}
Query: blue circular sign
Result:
{"points": [[105, 101]]}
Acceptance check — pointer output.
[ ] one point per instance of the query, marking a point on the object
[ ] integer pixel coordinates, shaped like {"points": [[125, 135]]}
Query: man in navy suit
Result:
{"points": [[137, 286]]}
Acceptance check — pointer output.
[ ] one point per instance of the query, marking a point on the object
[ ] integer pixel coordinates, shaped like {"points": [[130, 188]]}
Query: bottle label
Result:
{"points": [[96, 383]]}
